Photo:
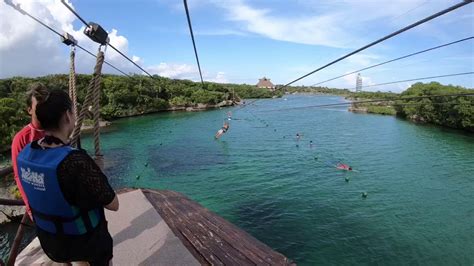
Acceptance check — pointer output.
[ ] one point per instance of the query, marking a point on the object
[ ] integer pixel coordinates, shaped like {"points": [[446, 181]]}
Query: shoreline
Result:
{"points": [[197, 108]]}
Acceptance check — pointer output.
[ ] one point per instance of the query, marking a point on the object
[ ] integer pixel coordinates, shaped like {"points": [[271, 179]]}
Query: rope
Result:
{"points": [[95, 110], [88, 100], [72, 81]]}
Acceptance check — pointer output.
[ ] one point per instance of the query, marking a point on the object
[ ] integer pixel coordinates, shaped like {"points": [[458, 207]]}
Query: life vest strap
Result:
{"points": [[59, 221]]}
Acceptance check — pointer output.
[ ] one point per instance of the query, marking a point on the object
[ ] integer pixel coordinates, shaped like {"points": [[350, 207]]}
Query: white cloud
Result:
{"points": [[333, 24], [309, 30], [175, 71], [219, 78], [219, 32], [363, 60], [29, 49], [185, 71]]}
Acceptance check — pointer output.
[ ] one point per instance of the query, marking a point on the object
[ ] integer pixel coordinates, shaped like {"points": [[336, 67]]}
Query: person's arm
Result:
{"points": [[84, 184], [114, 205], [17, 146]]}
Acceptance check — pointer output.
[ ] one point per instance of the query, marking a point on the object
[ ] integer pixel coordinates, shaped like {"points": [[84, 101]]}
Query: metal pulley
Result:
{"points": [[68, 39], [96, 33]]}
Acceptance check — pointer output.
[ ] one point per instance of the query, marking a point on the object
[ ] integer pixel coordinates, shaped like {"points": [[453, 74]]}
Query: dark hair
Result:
{"points": [[37, 90], [50, 111]]}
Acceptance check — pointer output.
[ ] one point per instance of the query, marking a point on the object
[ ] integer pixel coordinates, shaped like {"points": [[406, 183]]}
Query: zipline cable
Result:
{"points": [[107, 63], [111, 46], [396, 59], [399, 81], [126, 57], [447, 10], [410, 10], [23, 12], [377, 101], [185, 2]]}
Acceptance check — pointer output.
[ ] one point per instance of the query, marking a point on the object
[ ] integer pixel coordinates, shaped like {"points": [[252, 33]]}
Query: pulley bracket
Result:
{"points": [[96, 33], [68, 39]]}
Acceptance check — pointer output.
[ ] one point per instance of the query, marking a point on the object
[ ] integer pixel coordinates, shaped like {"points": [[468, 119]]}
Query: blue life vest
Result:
{"points": [[37, 170]]}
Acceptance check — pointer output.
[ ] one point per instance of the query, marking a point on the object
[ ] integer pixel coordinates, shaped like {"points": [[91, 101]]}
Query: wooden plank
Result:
{"points": [[190, 226], [237, 239], [238, 236], [234, 234], [220, 248], [199, 251], [234, 241], [208, 229]]}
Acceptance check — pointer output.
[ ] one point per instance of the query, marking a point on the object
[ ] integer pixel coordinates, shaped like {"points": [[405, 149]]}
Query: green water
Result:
{"points": [[419, 179]]}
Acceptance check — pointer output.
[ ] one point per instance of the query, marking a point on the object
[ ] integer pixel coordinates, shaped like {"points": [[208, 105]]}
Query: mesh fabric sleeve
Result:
{"points": [[82, 182]]}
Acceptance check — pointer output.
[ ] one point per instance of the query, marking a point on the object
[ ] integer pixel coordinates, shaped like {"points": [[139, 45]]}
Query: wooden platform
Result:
{"points": [[211, 239], [166, 228]]}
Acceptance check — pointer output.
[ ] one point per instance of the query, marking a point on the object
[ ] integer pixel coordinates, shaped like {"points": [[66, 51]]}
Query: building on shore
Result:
{"points": [[265, 83]]}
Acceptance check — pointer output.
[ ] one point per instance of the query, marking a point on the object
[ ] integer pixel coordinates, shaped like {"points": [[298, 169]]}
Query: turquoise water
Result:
{"points": [[419, 179]]}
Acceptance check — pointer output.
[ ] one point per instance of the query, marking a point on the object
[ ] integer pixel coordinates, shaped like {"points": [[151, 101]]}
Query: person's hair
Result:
{"points": [[37, 90], [50, 111]]}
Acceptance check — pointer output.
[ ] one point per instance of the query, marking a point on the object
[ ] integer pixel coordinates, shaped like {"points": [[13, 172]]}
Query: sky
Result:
{"points": [[240, 41]]}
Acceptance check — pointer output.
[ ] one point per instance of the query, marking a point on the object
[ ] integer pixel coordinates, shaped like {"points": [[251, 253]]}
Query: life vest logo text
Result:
{"points": [[33, 178]]}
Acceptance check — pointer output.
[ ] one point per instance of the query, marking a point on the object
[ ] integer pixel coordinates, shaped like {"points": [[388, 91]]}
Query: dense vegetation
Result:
{"points": [[120, 96], [123, 96], [454, 112]]}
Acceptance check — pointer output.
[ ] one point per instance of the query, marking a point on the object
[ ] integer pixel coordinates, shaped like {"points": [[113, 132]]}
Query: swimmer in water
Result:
{"points": [[343, 167]]}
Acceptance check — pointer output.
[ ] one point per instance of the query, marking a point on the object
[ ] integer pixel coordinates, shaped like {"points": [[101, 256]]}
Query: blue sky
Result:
{"points": [[240, 41]]}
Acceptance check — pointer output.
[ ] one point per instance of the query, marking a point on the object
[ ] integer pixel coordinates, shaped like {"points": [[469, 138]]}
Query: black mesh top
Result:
{"points": [[82, 182]]}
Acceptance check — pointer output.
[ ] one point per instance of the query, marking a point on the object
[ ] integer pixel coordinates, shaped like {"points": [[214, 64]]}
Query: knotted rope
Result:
{"points": [[92, 97], [72, 81]]}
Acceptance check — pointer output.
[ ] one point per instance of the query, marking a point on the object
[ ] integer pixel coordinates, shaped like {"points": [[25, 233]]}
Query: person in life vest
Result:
{"points": [[67, 191], [31, 132], [223, 130]]}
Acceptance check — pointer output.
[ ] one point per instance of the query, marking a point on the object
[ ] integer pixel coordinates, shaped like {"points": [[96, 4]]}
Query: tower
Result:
{"points": [[359, 83]]}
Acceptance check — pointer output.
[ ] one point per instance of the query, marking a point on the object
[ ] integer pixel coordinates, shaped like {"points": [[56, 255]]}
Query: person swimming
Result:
{"points": [[343, 166], [298, 136], [223, 130]]}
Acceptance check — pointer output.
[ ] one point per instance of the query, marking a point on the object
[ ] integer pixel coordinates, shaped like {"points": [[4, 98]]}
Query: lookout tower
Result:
{"points": [[358, 83]]}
